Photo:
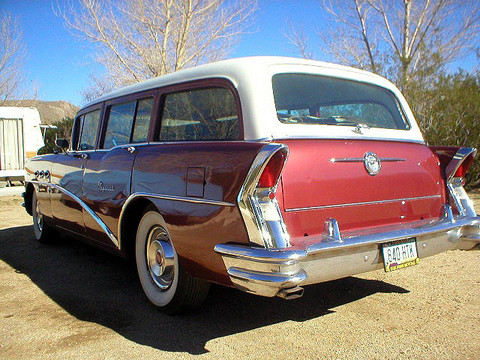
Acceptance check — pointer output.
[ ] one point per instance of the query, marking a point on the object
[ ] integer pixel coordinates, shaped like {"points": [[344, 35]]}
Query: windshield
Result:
{"points": [[321, 100]]}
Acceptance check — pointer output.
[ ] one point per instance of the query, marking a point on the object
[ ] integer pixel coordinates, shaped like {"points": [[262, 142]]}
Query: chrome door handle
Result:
{"points": [[131, 149], [82, 156]]}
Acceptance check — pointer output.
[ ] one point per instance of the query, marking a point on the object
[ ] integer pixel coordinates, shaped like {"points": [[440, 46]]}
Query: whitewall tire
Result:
{"points": [[43, 232], [164, 282]]}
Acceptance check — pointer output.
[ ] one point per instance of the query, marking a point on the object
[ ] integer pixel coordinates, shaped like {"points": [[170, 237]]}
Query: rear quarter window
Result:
{"points": [[200, 114]]}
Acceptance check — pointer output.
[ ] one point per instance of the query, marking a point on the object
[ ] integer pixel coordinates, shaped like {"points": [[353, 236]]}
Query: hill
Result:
{"points": [[50, 111]]}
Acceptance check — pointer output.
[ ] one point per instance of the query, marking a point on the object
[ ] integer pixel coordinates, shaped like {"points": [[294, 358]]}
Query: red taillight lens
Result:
{"points": [[462, 170], [272, 171]]}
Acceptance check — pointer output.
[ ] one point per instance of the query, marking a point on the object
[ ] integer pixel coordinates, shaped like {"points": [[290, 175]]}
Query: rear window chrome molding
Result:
{"points": [[267, 233]]}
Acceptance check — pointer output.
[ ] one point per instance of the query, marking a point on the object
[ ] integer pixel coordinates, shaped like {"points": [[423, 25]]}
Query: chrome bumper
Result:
{"points": [[282, 271]]}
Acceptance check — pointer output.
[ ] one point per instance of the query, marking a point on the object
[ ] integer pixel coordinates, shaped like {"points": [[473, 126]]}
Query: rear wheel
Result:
{"points": [[164, 281], [43, 232]]}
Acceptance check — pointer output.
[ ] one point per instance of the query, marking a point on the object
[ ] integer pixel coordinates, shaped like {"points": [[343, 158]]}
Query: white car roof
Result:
{"points": [[252, 77]]}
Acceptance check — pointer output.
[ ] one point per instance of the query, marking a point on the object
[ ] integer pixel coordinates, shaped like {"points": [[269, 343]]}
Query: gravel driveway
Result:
{"points": [[70, 301]]}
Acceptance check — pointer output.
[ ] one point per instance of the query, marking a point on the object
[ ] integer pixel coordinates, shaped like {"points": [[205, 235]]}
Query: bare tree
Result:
{"points": [[140, 39], [403, 37], [12, 55]]}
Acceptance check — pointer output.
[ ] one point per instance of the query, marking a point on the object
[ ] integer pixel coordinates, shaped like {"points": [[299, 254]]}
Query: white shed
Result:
{"points": [[20, 138]]}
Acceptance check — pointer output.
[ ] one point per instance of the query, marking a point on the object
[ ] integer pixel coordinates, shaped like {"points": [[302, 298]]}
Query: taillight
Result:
{"points": [[464, 166], [257, 200], [271, 172]]}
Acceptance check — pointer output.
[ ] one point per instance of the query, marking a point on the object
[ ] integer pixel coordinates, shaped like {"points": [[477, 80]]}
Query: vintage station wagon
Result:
{"points": [[263, 173]]}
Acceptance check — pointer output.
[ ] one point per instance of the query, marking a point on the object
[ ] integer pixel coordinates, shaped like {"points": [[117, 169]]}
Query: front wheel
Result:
{"points": [[43, 232], [164, 281]]}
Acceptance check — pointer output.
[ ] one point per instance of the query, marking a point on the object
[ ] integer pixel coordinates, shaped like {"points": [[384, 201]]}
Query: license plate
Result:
{"points": [[400, 254]]}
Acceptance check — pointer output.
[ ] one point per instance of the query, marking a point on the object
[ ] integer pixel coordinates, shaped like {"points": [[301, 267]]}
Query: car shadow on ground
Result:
{"points": [[101, 288]]}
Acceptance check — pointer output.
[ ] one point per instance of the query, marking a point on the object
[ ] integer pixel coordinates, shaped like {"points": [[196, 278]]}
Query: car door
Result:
{"points": [[67, 174], [108, 170]]}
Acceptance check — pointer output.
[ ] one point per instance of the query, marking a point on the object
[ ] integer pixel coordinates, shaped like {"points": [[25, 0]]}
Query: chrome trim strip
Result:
{"points": [[362, 159], [180, 198], [462, 201], [457, 160], [163, 197], [95, 217], [362, 203], [458, 194]]}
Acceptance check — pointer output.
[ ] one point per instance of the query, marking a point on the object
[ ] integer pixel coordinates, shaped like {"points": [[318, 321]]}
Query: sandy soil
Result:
{"points": [[70, 301]]}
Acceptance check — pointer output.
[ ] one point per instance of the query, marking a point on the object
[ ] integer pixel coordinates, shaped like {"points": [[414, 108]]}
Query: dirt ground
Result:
{"points": [[70, 301]]}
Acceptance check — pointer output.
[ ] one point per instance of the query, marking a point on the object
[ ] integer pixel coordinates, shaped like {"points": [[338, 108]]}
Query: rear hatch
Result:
{"points": [[325, 179]]}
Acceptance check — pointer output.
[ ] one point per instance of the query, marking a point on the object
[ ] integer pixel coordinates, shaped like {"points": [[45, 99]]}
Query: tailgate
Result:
{"points": [[329, 179]]}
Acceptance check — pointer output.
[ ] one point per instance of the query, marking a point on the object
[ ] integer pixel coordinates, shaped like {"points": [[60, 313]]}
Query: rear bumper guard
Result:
{"points": [[281, 272]]}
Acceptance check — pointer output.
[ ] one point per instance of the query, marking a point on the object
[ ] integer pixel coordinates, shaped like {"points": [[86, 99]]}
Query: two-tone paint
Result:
{"points": [[325, 217]]}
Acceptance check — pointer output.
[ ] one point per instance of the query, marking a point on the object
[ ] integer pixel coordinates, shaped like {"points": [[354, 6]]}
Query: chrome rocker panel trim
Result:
{"points": [[105, 228], [85, 207], [273, 272]]}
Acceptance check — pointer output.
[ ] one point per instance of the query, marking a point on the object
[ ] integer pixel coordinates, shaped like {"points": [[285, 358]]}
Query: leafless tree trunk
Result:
{"points": [[12, 55], [141, 39], [402, 37]]}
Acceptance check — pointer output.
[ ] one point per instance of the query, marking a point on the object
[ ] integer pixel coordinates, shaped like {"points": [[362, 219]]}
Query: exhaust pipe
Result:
{"points": [[290, 294]]}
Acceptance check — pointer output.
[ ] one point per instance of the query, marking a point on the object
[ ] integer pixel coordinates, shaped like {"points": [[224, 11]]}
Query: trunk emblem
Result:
{"points": [[372, 163]]}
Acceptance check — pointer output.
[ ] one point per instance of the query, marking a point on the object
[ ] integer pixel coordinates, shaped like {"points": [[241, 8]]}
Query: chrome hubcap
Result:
{"points": [[160, 258]]}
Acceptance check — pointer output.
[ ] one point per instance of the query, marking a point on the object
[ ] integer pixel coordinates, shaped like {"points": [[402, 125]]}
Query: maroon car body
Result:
{"points": [[262, 173]]}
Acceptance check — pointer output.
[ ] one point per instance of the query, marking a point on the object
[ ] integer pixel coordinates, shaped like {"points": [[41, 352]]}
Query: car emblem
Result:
{"points": [[102, 187], [372, 163]]}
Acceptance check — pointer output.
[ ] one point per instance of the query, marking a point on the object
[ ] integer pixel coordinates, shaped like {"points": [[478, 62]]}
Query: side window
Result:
{"points": [[76, 131], [119, 125], [142, 120], [89, 130], [203, 114], [125, 118]]}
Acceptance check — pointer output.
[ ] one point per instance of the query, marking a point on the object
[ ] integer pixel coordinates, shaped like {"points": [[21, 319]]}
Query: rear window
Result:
{"points": [[320, 100]]}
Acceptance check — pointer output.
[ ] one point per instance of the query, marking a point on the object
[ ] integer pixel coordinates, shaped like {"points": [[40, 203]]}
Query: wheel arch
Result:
{"points": [[129, 220], [28, 198]]}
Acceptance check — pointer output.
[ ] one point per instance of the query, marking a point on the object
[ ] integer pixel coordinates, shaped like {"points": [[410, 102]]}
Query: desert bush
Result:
{"points": [[448, 112]]}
